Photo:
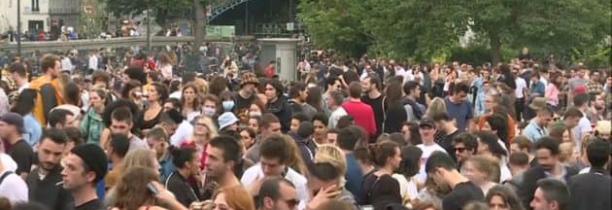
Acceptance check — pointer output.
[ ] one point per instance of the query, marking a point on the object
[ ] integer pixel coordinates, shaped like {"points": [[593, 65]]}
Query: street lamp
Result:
{"points": [[18, 27]]}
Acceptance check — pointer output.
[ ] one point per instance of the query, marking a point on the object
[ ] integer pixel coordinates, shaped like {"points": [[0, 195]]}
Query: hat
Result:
{"points": [[538, 103], [582, 89], [427, 122], [15, 119], [248, 78], [93, 156], [603, 127], [226, 119]]}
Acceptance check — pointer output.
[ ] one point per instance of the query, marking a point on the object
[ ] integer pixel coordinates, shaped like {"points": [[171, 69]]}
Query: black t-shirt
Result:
{"points": [[461, 195], [243, 103], [377, 107], [23, 155], [90, 205]]}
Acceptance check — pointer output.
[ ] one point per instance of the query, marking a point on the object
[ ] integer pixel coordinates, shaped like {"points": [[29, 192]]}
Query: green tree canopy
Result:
{"points": [[422, 29]]}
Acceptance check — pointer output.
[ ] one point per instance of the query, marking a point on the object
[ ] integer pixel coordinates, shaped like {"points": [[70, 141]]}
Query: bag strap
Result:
{"points": [[4, 176]]}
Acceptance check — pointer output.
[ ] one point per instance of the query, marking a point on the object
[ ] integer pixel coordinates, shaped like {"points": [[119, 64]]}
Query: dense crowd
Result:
{"points": [[348, 134]]}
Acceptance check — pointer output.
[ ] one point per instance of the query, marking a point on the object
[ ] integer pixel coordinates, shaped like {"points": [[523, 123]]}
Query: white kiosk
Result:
{"points": [[283, 51]]}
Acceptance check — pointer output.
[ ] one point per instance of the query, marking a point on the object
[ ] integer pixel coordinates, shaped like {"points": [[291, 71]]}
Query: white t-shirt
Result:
{"points": [[182, 133], [427, 151], [14, 188], [8, 162], [298, 180], [408, 188], [583, 128], [521, 85]]}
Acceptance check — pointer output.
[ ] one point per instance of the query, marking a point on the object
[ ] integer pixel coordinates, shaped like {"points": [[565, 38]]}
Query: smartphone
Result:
{"points": [[152, 188]]}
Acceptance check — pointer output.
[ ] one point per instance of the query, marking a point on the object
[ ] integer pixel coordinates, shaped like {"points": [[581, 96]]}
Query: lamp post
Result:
{"points": [[149, 28], [18, 27]]}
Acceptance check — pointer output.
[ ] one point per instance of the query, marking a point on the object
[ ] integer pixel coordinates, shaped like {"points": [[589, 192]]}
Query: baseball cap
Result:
{"points": [[15, 119]]}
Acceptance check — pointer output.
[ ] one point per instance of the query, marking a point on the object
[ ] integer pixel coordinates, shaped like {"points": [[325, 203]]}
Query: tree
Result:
{"points": [[421, 29], [337, 24]]}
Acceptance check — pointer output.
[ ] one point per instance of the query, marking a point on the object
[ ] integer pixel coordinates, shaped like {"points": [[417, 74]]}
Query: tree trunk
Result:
{"points": [[199, 31], [495, 43]]}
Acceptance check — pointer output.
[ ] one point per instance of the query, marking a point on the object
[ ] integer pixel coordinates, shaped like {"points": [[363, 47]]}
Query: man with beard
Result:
{"points": [[224, 158], [47, 86], [597, 111], [549, 166], [42, 181], [372, 87]]}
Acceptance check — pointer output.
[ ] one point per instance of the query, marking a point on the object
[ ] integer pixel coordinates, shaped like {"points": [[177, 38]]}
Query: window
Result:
{"points": [[35, 6]]}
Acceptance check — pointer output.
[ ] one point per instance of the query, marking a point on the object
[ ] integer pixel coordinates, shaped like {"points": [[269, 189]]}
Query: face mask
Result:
{"points": [[228, 105], [207, 111]]}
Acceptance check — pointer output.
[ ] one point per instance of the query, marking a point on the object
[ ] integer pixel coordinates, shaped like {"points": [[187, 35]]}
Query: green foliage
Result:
{"points": [[421, 30], [164, 11], [337, 24]]}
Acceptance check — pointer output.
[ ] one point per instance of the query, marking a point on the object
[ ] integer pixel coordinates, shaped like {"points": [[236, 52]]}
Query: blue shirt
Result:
{"points": [[538, 88], [534, 132], [354, 176], [33, 130], [462, 112]]}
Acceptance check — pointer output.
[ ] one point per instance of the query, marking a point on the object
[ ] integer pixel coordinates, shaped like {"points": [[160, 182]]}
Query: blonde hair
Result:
{"points": [[138, 158], [436, 106], [331, 154], [212, 128]]}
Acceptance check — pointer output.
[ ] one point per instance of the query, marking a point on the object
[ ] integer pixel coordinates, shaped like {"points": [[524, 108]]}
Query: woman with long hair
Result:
{"points": [[204, 130], [503, 198], [409, 167], [92, 124], [151, 116], [315, 98], [395, 113], [133, 192], [190, 102]]}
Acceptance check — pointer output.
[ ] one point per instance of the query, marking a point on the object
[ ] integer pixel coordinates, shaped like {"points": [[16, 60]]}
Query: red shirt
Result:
{"points": [[363, 115]]}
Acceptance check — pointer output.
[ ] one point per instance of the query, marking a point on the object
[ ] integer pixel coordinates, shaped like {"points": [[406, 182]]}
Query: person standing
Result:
{"points": [[537, 127], [11, 128], [48, 88], [458, 107], [549, 166], [187, 166], [584, 125], [84, 167], [372, 87], [224, 158], [592, 190], [362, 113], [42, 181]]}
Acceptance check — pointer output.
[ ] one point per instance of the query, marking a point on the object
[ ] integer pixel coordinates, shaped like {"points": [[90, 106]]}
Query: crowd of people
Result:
{"points": [[349, 134]]}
